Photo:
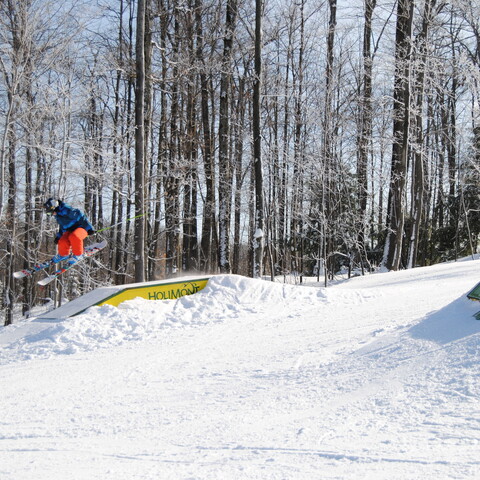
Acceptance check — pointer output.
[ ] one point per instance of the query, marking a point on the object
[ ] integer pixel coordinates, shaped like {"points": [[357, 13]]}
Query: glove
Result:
{"points": [[56, 239], [91, 231]]}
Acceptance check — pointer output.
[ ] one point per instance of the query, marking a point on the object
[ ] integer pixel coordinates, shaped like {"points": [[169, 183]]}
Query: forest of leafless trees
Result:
{"points": [[268, 137]]}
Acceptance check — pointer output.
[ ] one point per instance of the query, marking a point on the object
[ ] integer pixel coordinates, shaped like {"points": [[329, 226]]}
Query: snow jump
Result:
{"points": [[157, 290]]}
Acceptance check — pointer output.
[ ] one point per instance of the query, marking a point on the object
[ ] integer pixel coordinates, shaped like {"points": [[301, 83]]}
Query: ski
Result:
{"points": [[28, 272], [89, 251]]}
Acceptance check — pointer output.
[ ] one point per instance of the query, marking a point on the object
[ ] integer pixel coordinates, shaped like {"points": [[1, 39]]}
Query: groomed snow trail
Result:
{"points": [[373, 378]]}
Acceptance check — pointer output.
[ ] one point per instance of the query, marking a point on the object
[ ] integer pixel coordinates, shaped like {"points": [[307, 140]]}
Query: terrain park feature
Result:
{"points": [[474, 294], [157, 290]]}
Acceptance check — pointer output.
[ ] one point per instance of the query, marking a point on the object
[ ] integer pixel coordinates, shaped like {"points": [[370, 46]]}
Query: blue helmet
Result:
{"points": [[50, 206]]}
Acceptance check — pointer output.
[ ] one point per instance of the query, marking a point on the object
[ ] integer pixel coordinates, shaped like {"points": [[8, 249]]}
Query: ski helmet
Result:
{"points": [[50, 206]]}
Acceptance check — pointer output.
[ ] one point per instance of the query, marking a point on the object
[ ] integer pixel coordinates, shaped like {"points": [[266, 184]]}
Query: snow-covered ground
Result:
{"points": [[377, 377]]}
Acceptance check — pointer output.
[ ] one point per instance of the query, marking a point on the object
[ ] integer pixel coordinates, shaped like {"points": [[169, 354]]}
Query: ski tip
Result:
{"points": [[46, 280], [100, 245], [95, 247]]}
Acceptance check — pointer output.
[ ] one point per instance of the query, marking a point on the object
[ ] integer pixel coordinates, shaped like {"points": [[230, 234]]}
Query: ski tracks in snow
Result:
{"points": [[249, 379]]}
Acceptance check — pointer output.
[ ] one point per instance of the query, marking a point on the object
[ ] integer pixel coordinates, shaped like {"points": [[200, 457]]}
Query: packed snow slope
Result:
{"points": [[373, 378]]}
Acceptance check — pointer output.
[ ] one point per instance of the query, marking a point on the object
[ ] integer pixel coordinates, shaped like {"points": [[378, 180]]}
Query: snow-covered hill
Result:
{"points": [[374, 378]]}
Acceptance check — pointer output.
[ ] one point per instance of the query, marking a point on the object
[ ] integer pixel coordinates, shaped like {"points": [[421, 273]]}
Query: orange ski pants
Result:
{"points": [[72, 241]]}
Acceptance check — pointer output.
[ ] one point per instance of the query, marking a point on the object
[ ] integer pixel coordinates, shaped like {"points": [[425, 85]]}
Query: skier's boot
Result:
{"points": [[74, 259], [58, 258]]}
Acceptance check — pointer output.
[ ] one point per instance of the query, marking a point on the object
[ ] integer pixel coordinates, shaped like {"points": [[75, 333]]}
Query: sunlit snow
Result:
{"points": [[376, 377]]}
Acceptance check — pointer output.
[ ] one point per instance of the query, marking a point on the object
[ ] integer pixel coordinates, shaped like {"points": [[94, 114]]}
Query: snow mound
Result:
{"points": [[225, 297]]}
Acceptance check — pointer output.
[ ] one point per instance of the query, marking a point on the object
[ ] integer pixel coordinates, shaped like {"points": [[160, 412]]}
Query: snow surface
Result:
{"points": [[373, 378]]}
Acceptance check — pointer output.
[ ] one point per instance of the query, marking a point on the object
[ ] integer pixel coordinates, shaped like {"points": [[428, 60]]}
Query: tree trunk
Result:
{"points": [[140, 145], [365, 138], [190, 242], [172, 193], [208, 246], [329, 183], [401, 112], [224, 163], [239, 129], [257, 146], [418, 177]]}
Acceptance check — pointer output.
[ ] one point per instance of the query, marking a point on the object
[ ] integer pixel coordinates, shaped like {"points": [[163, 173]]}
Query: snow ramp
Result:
{"points": [[157, 290]]}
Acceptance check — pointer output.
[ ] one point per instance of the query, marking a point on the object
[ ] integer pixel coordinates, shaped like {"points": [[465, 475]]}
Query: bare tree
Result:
{"points": [[418, 170], [257, 146], [401, 112], [140, 144], [224, 159], [209, 243], [365, 133]]}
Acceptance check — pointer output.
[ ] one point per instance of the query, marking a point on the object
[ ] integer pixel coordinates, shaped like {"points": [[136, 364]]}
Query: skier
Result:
{"points": [[74, 227]]}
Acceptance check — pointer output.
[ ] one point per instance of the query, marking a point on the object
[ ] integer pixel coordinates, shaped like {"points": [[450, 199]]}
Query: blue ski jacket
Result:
{"points": [[69, 219]]}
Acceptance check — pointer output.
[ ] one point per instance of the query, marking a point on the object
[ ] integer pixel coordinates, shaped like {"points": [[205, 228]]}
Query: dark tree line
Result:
{"points": [[277, 138]]}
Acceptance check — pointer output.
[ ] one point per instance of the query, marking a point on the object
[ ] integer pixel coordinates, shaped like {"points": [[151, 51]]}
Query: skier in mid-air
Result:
{"points": [[74, 227]]}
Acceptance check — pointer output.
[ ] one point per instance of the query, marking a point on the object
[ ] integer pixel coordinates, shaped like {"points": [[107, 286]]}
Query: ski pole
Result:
{"points": [[120, 223]]}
